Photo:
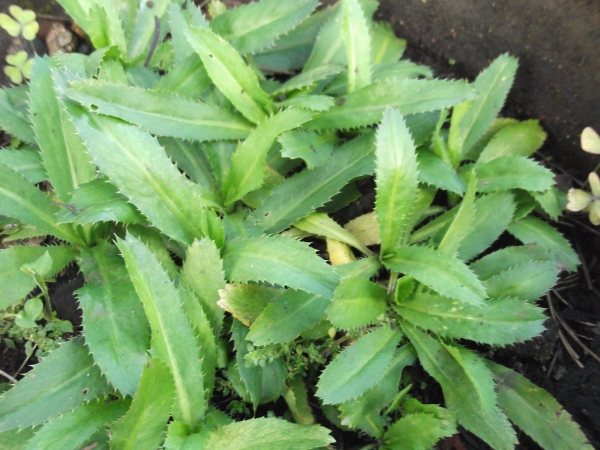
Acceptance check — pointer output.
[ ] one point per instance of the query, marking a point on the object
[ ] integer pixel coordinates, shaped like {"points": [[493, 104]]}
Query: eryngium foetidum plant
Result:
{"points": [[190, 183]]}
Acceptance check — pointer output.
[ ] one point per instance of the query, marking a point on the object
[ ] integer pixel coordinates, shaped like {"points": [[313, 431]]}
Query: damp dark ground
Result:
{"points": [[557, 42]]}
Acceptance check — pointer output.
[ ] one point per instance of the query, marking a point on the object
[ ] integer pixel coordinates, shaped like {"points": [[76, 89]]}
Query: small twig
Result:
{"points": [[91, 446], [8, 377], [586, 274], [562, 298], [568, 329], [560, 169], [580, 224], [561, 335], [281, 71], [25, 362], [154, 42], [554, 358], [54, 18]]}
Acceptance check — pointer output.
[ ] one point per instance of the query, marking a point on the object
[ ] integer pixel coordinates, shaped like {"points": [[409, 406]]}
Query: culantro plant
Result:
{"points": [[195, 168]]}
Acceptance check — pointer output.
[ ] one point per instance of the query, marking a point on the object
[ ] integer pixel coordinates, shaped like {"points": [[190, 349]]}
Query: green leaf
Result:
{"points": [[315, 149], [254, 27], [308, 78], [187, 78], [286, 317], [513, 172], [135, 163], [385, 47], [518, 139], [357, 40], [329, 44], [434, 171], [65, 158], [309, 102], [508, 257], [358, 367], [230, 74], [492, 85], [202, 272], [247, 171], [145, 423], [493, 213], [14, 113], [192, 159], [497, 322], [417, 431], [296, 398], [16, 439], [527, 281], [367, 105], [16, 284], [279, 260], [25, 202], [25, 162], [142, 28], [114, 323], [264, 383], [160, 112], [439, 271], [179, 20], [322, 225], [173, 340], [357, 302], [396, 179], [62, 381], [461, 224], [246, 302], [290, 51], [72, 430], [468, 388], [364, 412], [536, 412], [313, 188], [268, 434], [531, 230]]}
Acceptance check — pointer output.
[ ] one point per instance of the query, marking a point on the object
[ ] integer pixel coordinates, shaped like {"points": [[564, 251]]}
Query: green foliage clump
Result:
{"points": [[191, 183]]}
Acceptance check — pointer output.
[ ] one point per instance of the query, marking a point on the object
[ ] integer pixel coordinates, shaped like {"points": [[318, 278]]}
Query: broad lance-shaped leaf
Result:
{"points": [[396, 178], [536, 412], [279, 260], [468, 388], [434, 171], [14, 117], [173, 340], [367, 105], [323, 225], [314, 148], [65, 157], [16, 284], [202, 273], [26, 162], [135, 163], [179, 20], [531, 230], [23, 201], [114, 323], [192, 159], [247, 170], [99, 201], [501, 260], [287, 316], [187, 78], [437, 270], [142, 29], [357, 302], [496, 322], [145, 423], [251, 28], [62, 381], [417, 431], [230, 74], [313, 188], [358, 367], [268, 434], [364, 412], [357, 40], [160, 112], [492, 85], [72, 430], [246, 302], [527, 281], [461, 224], [513, 172], [263, 383], [516, 139]]}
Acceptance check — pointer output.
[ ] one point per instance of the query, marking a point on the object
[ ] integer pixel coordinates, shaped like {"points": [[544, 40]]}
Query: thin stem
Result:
{"points": [[154, 42]]}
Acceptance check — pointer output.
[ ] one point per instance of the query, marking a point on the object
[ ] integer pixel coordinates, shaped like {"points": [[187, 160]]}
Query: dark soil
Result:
{"points": [[558, 81]]}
